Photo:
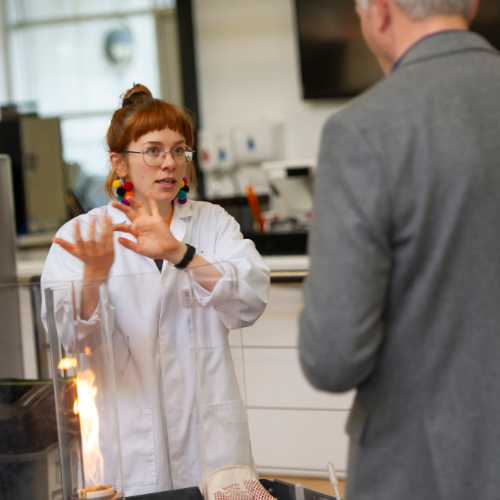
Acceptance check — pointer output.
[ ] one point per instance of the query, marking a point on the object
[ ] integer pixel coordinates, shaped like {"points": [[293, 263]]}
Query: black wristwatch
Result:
{"points": [[188, 257]]}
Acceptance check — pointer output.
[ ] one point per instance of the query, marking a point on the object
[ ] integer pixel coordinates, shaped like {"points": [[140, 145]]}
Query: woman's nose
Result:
{"points": [[168, 161]]}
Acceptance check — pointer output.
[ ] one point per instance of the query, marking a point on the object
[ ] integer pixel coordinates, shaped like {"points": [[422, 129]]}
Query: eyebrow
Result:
{"points": [[159, 143]]}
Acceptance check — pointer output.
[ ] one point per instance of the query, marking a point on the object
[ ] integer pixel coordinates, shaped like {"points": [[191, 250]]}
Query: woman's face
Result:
{"points": [[163, 181]]}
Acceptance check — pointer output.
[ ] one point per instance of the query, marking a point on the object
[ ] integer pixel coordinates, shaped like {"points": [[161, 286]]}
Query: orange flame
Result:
{"points": [[67, 363], [89, 425]]}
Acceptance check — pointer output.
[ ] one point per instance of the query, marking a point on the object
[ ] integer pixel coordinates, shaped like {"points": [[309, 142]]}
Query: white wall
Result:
{"points": [[248, 69]]}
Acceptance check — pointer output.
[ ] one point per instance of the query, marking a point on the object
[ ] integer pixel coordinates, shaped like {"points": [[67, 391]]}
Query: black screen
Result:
{"points": [[334, 59]]}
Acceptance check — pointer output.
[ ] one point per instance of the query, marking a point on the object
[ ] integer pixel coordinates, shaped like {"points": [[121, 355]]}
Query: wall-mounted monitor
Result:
{"points": [[334, 59]]}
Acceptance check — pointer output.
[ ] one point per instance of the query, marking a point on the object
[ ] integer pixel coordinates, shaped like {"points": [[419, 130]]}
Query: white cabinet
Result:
{"points": [[295, 429]]}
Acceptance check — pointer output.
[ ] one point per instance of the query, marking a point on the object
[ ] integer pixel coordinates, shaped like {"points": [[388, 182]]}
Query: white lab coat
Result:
{"points": [[153, 348]]}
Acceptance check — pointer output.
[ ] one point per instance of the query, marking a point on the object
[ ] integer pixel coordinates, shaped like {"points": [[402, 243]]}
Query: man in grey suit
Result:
{"points": [[403, 297]]}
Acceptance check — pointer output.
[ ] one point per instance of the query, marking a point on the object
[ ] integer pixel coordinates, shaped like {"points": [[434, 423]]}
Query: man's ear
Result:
{"points": [[473, 12], [382, 14], [118, 164]]}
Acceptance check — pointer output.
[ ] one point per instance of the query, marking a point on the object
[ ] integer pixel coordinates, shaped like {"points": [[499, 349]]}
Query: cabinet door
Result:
{"points": [[295, 429], [298, 442]]}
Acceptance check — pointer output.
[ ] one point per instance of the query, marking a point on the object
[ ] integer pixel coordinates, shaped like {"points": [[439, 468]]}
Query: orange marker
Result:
{"points": [[253, 201]]}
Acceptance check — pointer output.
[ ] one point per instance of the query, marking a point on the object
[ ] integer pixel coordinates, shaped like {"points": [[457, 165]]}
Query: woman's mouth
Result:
{"points": [[166, 182]]}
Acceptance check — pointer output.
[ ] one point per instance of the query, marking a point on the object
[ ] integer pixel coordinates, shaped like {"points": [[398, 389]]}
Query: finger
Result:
{"points": [[131, 245], [69, 247], [78, 236], [152, 204], [128, 211], [104, 219], [140, 207], [101, 241], [91, 235], [109, 235], [124, 228]]}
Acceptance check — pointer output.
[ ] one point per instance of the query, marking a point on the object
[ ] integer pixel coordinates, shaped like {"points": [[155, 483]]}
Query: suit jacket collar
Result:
{"points": [[442, 44]]}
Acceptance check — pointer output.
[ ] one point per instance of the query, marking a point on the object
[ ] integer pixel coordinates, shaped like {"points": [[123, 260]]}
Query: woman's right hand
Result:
{"points": [[98, 256]]}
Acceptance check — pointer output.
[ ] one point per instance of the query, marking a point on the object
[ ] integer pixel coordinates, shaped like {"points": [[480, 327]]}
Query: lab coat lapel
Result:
{"points": [[117, 217], [178, 224]]}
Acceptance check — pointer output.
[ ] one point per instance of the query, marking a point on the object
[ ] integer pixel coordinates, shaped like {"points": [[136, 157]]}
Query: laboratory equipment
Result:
{"points": [[291, 184]]}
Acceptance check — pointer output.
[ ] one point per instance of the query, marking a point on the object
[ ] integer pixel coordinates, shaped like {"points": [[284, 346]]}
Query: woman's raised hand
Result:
{"points": [[97, 255], [154, 239]]}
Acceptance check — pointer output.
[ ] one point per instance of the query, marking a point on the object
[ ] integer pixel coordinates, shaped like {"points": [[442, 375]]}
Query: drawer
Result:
{"points": [[298, 442], [274, 378]]}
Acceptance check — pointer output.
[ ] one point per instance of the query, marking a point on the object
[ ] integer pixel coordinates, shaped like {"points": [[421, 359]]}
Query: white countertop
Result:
{"points": [[30, 263]]}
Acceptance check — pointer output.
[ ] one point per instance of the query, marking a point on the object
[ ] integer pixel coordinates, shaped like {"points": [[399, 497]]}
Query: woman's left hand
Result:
{"points": [[154, 238]]}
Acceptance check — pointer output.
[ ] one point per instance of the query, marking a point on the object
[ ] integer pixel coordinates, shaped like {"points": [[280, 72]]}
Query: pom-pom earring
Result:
{"points": [[182, 194], [123, 190]]}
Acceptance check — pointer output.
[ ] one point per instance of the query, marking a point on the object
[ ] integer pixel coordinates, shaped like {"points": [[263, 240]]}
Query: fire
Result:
{"points": [[67, 363], [89, 425]]}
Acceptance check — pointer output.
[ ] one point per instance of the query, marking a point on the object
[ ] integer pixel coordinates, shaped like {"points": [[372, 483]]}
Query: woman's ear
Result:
{"points": [[118, 164]]}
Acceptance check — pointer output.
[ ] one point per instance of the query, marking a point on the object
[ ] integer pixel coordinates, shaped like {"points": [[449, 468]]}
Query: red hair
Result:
{"points": [[142, 115]]}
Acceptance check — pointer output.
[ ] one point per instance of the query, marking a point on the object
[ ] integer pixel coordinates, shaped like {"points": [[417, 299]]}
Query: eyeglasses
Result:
{"points": [[154, 157]]}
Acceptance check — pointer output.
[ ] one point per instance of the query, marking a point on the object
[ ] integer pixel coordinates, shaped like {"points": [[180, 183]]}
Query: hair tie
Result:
{"points": [[130, 100]]}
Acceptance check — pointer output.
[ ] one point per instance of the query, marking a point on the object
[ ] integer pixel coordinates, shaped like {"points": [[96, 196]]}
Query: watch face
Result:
{"points": [[119, 46]]}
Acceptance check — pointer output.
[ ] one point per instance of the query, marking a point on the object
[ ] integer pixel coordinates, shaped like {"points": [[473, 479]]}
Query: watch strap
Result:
{"points": [[188, 257]]}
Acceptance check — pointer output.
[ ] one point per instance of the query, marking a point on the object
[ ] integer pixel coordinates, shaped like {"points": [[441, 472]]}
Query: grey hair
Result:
{"points": [[421, 9]]}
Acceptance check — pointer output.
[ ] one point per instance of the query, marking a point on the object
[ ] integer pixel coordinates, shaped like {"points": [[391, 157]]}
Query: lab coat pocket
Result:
{"points": [[137, 446], [226, 435], [210, 331]]}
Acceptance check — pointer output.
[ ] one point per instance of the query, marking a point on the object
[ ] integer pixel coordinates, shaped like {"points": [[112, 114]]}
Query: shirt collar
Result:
{"points": [[397, 64]]}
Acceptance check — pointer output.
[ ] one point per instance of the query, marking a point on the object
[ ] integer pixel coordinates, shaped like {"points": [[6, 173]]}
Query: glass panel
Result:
{"points": [[80, 328], [229, 472], [172, 343], [64, 68], [38, 10], [180, 387]]}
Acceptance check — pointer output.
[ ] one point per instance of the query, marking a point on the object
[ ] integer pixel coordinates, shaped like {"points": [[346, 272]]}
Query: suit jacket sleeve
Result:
{"points": [[342, 324]]}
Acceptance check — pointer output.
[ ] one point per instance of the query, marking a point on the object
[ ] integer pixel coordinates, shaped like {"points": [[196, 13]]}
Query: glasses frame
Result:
{"points": [[164, 155]]}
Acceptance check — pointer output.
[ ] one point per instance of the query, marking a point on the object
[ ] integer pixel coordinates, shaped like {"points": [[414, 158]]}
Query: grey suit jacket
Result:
{"points": [[403, 297]]}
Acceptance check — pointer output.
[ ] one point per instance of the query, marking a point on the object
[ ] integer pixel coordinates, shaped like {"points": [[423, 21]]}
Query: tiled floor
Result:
{"points": [[316, 484]]}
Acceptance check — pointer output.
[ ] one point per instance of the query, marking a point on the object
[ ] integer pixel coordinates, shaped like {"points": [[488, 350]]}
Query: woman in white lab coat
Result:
{"points": [[137, 247]]}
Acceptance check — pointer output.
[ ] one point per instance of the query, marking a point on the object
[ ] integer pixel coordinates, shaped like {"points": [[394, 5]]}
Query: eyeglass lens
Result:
{"points": [[154, 157]]}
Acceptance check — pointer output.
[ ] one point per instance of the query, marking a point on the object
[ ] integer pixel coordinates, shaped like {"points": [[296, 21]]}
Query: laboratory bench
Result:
{"points": [[30, 263], [295, 429]]}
